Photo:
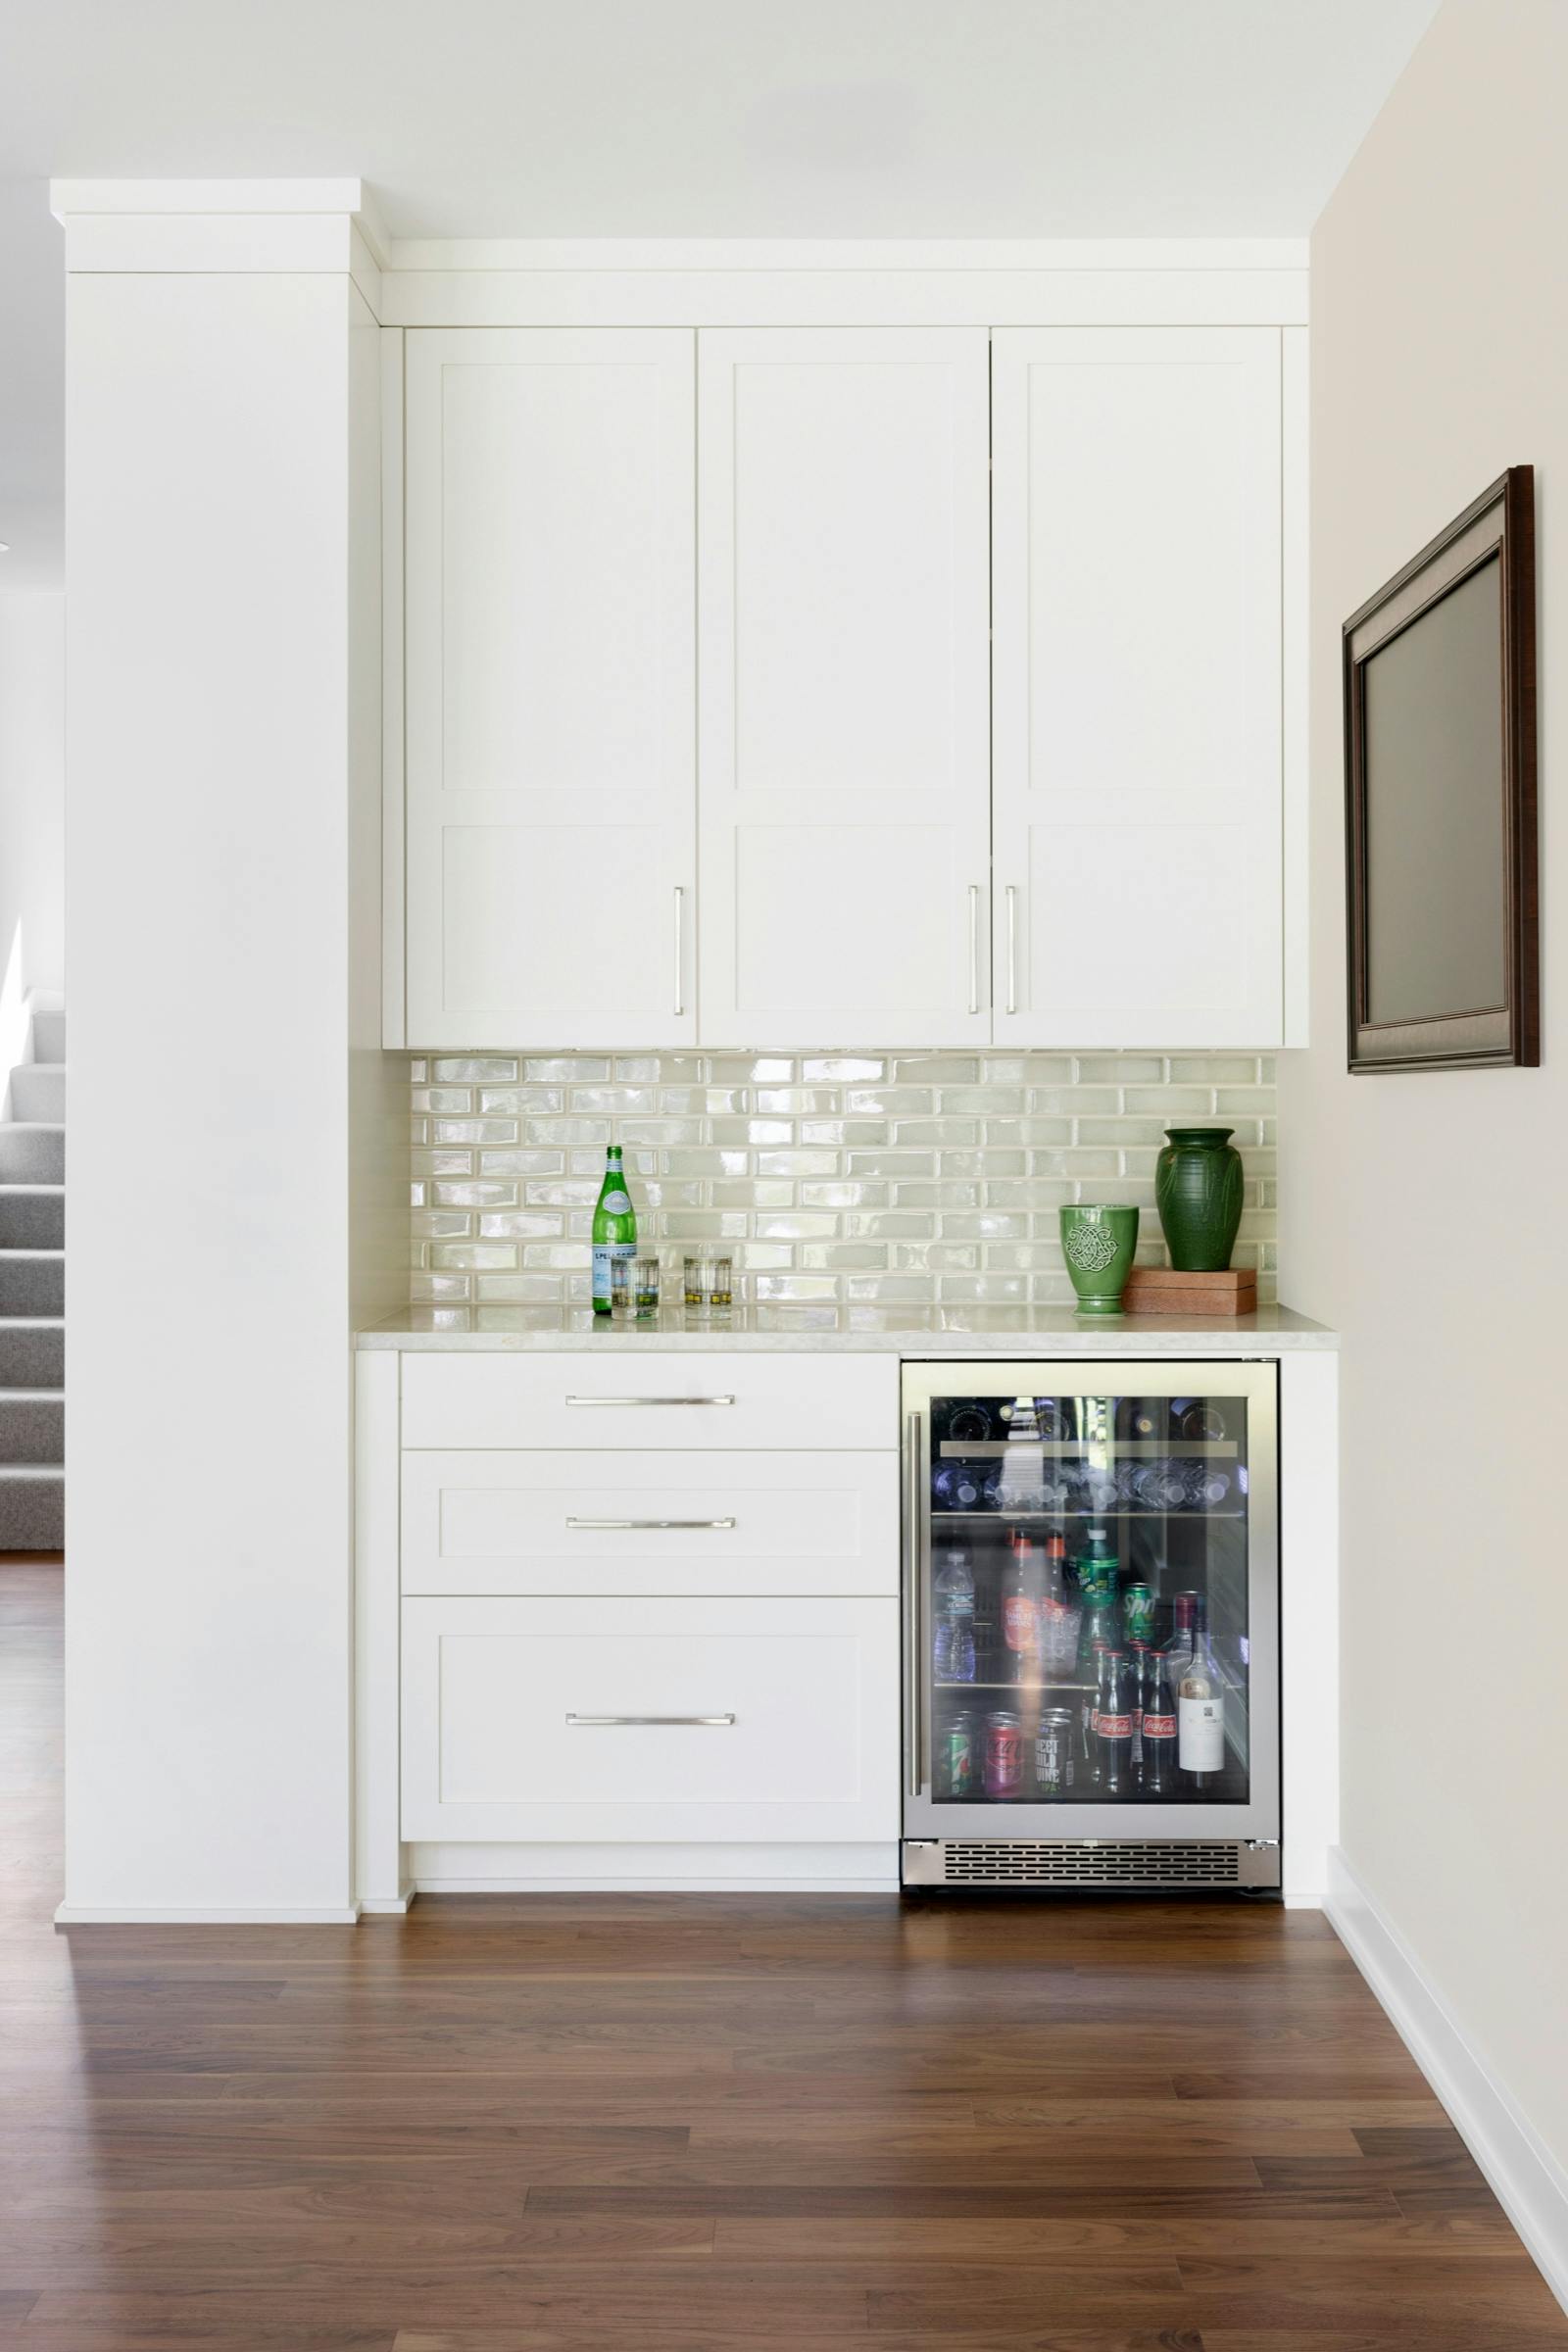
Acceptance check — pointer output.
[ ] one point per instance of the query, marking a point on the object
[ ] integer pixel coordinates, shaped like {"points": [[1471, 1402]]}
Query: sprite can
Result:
{"points": [[1137, 1612]]}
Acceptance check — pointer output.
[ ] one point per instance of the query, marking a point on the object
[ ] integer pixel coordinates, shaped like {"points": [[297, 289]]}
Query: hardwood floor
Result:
{"points": [[570, 2124]]}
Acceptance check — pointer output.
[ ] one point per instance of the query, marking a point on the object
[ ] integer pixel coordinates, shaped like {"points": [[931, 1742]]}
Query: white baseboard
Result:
{"points": [[644, 1885], [145, 1915], [455, 1866], [1525, 2178], [390, 1906]]}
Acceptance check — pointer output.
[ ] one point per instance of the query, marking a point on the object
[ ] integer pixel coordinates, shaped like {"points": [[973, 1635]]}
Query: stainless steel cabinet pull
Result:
{"points": [[1013, 949], [911, 1587], [679, 1523], [714, 1723], [974, 946], [650, 1399], [679, 1004]]}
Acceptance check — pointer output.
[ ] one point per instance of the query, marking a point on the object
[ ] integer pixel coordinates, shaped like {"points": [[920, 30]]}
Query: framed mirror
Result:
{"points": [[1439, 728]]}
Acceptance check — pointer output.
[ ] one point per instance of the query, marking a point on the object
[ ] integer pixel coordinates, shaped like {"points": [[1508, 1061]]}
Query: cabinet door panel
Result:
{"points": [[551, 678], [843, 717], [770, 1719], [1137, 666]]}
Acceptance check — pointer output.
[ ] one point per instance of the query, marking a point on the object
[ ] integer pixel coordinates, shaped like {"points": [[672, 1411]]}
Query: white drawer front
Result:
{"points": [[650, 1523], [620, 1398], [781, 1719]]}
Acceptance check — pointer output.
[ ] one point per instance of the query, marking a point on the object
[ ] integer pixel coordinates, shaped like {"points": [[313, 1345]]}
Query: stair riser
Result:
{"points": [[32, 1429], [31, 1286], [32, 1514], [30, 1359], [48, 1037], [37, 1093], [32, 1154], [31, 1220]]}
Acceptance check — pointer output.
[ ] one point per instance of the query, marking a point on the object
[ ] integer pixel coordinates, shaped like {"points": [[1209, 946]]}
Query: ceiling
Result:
{"points": [[674, 118]]}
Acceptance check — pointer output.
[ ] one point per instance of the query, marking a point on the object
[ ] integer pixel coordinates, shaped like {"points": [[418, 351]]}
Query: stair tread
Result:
{"points": [[32, 1322], [33, 1126], [32, 1396], [32, 1470], [27, 1250], [29, 1187], [58, 1068]]}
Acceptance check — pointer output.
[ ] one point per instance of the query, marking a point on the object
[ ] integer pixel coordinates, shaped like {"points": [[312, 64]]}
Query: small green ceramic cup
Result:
{"points": [[1098, 1241]]}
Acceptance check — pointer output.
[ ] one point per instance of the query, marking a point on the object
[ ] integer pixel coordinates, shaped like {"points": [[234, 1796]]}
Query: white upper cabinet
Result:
{"points": [[843, 719], [1137, 680], [550, 681]]}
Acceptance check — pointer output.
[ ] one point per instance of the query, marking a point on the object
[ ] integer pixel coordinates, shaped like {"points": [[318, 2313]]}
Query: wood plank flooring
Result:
{"points": [[568, 2124]]}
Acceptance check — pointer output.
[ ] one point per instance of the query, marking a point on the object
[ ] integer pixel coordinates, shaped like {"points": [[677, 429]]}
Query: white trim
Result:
{"points": [[389, 1907], [1170, 295], [646, 1884], [68, 196], [1310, 1620], [132, 1915], [380, 1879], [1527, 2181], [841, 252], [460, 1866], [394, 1019], [1295, 778]]}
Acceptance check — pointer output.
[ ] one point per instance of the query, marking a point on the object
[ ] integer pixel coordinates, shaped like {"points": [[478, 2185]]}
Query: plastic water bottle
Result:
{"points": [[953, 1649]]}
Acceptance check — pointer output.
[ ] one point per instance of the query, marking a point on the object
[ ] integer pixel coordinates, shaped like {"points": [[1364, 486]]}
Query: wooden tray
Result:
{"points": [[1163, 1291]]}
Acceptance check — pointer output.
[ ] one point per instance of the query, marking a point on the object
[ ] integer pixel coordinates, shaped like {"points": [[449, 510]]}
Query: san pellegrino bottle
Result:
{"points": [[614, 1230]]}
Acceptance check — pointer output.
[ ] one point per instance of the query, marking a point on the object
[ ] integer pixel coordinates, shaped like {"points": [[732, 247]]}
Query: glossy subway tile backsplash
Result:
{"points": [[891, 1178]]}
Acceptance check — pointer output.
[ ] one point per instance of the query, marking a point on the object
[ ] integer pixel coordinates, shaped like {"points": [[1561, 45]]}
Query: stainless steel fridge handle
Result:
{"points": [[912, 1592], [682, 1524], [679, 1006], [707, 1723], [650, 1399]]}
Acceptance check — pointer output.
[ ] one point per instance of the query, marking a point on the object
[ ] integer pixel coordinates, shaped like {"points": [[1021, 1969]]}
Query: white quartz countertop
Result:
{"points": [[909, 1331]]}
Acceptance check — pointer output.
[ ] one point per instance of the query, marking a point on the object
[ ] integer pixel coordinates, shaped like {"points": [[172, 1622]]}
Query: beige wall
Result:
{"points": [[1424, 1213]]}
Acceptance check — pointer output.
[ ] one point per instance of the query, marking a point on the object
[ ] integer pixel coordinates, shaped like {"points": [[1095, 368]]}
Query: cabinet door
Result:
{"points": [[1137, 666], [550, 681], [665, 1720], [844, 714]]}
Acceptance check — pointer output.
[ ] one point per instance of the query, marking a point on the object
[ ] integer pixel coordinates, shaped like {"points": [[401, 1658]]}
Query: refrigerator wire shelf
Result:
{"points": [[1175, 1862]]}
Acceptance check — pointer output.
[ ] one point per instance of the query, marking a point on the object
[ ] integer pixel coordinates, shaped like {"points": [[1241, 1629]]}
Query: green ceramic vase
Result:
{"points": [[1098, 1241], [1198, 1191]]}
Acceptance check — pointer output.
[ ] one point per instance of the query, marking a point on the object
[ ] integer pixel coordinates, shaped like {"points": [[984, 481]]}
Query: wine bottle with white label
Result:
{"points": [[1201, 1706], [614, 1228]]}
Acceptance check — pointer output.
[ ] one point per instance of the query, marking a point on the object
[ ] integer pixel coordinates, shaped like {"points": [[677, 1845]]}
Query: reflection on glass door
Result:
{"points": [[1085, 1614]]}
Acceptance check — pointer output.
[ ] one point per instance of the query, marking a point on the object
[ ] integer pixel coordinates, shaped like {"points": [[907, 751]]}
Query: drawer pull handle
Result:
{"points": [[707, 1723], [650, 1399], [682, 1524]]}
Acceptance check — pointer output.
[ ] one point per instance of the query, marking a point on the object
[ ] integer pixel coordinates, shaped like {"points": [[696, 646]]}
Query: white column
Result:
{"points": [[223, 734]]}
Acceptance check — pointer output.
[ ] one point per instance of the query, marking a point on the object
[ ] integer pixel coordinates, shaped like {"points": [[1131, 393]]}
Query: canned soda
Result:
{"points": [[1137, 1612], [1054, 1752], [1004, 1760], [957, 1754]]}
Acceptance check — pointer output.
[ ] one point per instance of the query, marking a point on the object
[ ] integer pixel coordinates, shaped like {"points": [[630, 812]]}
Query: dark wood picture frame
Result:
{"points": [[1496, 528]]}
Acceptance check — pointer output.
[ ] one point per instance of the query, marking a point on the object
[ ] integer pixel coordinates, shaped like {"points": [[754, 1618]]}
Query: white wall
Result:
{"points": [[33, 807], [1423, 1213], [223, 715]]}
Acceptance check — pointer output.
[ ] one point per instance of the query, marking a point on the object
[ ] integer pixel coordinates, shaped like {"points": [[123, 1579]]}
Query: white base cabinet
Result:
{"points": [[660, 1720]]}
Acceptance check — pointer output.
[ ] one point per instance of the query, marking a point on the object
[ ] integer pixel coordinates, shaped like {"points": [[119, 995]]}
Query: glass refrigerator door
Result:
{"points": [[1093, 1623]]}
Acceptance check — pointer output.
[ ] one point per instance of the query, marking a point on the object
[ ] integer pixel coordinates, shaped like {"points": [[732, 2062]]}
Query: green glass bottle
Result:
{"points": [[614, 1233]]}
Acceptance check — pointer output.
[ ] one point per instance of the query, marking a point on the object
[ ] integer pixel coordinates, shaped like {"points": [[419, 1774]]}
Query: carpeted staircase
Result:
{"points": [[33, 1296]]}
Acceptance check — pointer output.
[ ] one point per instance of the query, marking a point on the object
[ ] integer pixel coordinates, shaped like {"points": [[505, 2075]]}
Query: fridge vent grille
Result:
{"points": [[1175, 1863]]}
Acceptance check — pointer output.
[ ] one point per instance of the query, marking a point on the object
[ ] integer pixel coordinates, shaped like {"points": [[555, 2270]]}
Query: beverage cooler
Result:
{"points": [[1091, 1625]]}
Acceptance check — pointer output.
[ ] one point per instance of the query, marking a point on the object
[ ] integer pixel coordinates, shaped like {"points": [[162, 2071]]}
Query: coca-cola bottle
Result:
{"points": [[1114, 1727], [1158, 1778]]}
